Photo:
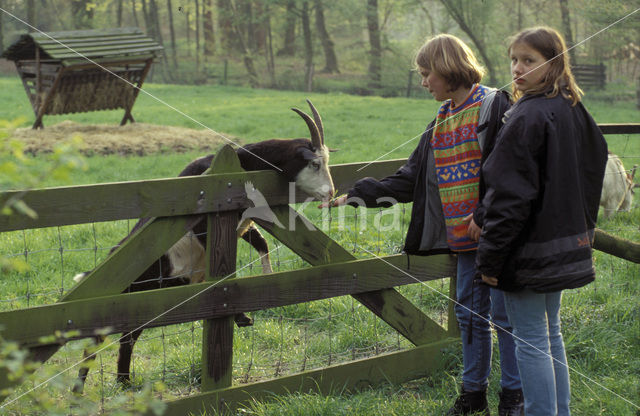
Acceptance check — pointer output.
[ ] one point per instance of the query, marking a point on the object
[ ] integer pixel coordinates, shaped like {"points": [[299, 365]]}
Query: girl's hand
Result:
{"points": [[490, 280], [473, 231], [341, 200]]}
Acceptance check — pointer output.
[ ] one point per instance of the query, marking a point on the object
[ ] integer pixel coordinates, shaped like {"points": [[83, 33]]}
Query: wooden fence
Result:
{"points": [[176, 205]]}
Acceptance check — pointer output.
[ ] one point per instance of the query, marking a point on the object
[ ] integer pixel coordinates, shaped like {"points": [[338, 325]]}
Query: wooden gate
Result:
{"points": [[176, 205]]}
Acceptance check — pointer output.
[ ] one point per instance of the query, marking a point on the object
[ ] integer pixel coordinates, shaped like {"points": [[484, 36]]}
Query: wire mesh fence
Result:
{"points": [[282, 341]]}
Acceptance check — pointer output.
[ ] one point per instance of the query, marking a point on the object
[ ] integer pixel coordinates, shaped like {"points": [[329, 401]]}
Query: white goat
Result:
{"points": [[617, 188]]}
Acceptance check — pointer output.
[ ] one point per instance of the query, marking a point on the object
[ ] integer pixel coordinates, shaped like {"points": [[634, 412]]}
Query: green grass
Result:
{"points": [[601, 321]]}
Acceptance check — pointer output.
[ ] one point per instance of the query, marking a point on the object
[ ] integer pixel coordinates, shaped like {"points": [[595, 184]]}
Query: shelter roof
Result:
{"points": [[71, 47]]}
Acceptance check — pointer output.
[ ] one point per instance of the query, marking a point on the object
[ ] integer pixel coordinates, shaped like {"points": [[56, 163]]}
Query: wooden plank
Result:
{"points": [[164, 197], [217, 333], [155, 308], [128, 262], [394, 368], [317, 248], [125, 200], [619, 128], [346, 175]]}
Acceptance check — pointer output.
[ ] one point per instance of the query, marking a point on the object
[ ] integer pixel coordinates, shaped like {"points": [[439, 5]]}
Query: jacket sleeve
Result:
{"points": [[512, 176], [399, 186], [500, 104]]}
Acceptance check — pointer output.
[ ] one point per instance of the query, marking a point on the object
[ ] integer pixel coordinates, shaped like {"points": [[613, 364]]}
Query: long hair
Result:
{"points": [[559, 78], [452, 59]]}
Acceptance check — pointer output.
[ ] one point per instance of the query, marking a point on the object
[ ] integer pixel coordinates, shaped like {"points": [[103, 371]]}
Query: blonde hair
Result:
{"points": [[559, 78], [452, 59]]}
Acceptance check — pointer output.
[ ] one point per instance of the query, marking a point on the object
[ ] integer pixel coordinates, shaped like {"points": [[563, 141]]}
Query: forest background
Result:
{"points": [[363, 47]]}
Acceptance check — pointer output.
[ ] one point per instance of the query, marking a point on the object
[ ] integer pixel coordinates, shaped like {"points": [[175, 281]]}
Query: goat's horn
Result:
{"points": [[318, 120], [316, 141]]}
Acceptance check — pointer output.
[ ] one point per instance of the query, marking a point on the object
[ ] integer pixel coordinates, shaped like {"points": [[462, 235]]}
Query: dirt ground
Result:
{"points": [[133, 138]]}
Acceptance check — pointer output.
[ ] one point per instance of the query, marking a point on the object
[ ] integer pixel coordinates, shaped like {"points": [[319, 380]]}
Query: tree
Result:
{"points": [[82, 12], [1, 30], [331, 62], [465, 13], [119, 13], [375, 51], [225, 25], [308, 47], [135, 13], [207, 29], [289, 47], [566, 28], [173, 34], [31, 14]]}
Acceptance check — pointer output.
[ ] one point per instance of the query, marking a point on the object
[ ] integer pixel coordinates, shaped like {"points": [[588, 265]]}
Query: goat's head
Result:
{"points": [[314, 178]]}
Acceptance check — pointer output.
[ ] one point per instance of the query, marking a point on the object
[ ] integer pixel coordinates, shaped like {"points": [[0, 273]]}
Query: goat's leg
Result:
{"points": [[89, 358], [124, 356], [253, 236]]}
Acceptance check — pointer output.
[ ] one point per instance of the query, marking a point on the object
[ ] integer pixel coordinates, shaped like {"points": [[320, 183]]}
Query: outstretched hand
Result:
{"points": [[341, 200]]}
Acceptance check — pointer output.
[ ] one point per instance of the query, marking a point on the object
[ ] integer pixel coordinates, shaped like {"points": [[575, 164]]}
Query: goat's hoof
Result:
{"points": [[243, 320]]}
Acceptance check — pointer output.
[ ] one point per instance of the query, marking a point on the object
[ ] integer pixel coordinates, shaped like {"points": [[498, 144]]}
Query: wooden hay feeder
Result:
{"points": [[83, 70]]}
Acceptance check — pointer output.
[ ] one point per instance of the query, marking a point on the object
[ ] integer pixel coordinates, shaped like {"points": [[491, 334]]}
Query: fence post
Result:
{"points": [[217, 334]]}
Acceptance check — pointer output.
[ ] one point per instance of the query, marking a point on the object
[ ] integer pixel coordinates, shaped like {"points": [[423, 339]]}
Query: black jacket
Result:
{"points": [[411, 181], [544, 179]]}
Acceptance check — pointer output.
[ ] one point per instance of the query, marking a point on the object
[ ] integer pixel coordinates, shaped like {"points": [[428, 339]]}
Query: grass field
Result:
{"points": [[601, 321]]}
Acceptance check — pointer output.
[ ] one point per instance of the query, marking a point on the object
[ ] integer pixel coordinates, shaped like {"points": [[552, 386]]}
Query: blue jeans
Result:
{"points": [[540, 351], [475, 329]]}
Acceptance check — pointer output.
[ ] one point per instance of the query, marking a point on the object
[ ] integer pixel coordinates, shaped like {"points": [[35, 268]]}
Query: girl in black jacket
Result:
{"points": [[442, 178], [543, 179]]}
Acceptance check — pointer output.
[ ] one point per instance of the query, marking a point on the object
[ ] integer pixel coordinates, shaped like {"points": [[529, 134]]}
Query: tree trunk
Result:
{"points": [[31, 14], [1, 29], [248, 28], [331, 62], [289, 47], [271, 66], [260, 20], [119, 13], [375, 53], [173, 35], [207, 29], [155, 21], [308, 48], [457, 12], [148, 22], [135, 14], [188, 30], [247, 56], [566, 28], [225, 25], [197, 36]]}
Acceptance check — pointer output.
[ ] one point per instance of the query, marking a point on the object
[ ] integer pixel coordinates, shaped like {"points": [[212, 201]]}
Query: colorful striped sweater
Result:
{"points": [[457, 157]]}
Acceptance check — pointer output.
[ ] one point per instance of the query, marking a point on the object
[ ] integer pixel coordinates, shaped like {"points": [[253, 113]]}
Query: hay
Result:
{"points": [[136, 138]]}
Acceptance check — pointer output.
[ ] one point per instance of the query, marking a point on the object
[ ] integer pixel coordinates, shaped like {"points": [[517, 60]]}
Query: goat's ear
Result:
{"points": [[306, 154], [332, 150]]}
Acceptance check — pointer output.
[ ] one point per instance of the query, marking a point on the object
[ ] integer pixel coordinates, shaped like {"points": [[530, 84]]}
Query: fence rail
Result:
{"points": [[176, 205]]}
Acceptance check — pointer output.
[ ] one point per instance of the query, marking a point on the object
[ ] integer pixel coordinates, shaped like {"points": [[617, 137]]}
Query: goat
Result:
{"points": [[303, 161], [617, 188]]}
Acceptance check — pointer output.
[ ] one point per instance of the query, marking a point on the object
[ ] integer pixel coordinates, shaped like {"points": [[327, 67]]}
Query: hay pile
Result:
{"points": [[134, 138]]}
